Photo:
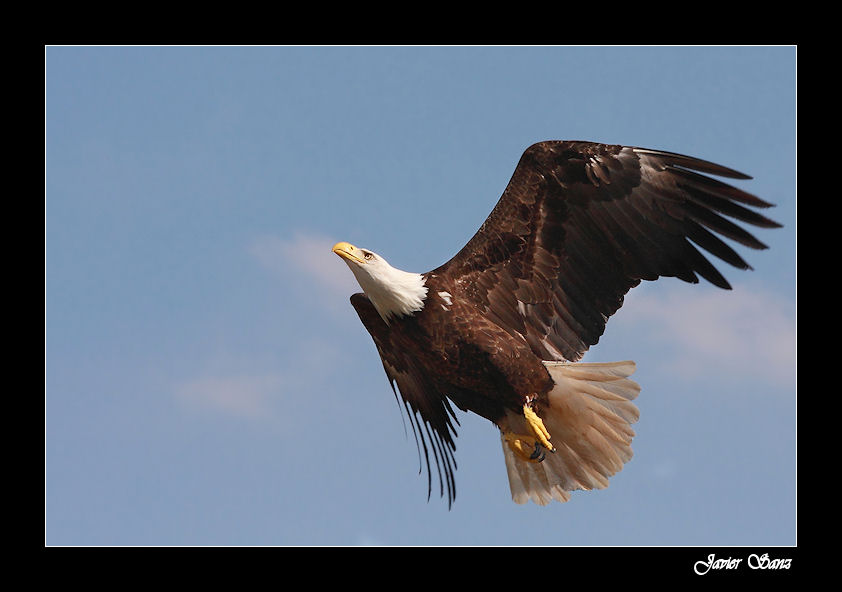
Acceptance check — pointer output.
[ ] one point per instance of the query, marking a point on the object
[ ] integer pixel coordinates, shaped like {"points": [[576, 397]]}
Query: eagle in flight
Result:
{"points": [[499, 329]]}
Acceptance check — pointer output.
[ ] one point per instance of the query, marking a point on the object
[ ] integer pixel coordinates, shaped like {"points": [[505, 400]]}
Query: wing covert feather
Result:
{"points": [[581, 223]]}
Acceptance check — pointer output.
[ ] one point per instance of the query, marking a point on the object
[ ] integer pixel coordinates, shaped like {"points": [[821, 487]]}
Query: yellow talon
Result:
{"points": [[536, 424], [526, 447]]}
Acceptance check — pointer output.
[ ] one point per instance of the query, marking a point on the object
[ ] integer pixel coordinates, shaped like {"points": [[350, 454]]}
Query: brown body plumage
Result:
{"points": [[578, 225]]}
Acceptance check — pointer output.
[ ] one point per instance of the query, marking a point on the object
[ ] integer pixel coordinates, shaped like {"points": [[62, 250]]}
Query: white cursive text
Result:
{"points": [[763, 562], [703, 567]]}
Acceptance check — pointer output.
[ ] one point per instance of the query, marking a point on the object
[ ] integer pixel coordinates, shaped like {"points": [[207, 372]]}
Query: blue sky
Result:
{"points": [[206, 379]]}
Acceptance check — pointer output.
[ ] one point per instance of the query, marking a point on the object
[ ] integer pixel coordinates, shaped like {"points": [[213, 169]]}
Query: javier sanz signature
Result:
{"points": [[753, 561]]}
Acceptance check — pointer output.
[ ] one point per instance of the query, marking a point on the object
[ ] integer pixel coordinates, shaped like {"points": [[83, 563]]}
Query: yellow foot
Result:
{"points": [[536, 424], [526, 447]]}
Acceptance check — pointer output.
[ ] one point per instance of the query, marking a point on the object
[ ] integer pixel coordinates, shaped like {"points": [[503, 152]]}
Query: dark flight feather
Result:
{"points": [[430, 415]]}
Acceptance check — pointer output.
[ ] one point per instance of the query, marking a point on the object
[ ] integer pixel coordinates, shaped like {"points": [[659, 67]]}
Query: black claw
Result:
{"points": [[538, 453]]}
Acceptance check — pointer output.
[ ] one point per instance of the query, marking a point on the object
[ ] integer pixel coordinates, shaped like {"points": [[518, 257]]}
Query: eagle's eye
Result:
{"points": [[368, 255]]}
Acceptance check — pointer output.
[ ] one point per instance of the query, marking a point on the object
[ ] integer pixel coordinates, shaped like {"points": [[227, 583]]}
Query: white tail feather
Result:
{"points": [[588, 417]]}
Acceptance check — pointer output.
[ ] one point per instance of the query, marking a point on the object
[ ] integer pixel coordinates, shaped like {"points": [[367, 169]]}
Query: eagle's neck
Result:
{"points": [[393, 292]]}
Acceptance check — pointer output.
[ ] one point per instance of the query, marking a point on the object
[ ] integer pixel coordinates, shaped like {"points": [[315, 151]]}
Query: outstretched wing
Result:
{"points": [[429, 411], [580, 224]]}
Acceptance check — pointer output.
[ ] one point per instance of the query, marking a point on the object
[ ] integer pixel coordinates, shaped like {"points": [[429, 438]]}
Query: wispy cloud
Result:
{"points": [[243, 387], [747, 332], [248, 397], [240, 387], [304, 253]]}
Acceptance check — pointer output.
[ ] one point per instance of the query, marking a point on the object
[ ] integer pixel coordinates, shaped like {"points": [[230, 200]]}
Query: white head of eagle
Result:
{"points": [[393, 292]]}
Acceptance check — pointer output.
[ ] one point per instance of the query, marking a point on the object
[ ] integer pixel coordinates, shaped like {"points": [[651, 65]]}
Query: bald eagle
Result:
{"points": [[500, 328]]}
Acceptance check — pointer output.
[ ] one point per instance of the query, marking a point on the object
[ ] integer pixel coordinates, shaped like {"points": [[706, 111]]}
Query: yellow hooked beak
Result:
{"points": [[349, 252]]}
